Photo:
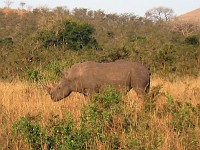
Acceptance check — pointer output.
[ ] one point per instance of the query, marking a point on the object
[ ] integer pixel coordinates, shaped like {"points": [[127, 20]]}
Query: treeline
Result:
{"points": [[36, 44]]}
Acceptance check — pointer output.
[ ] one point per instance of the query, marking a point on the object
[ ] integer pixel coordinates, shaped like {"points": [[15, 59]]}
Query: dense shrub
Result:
{"points": [[6, 42], [42, 38], [193, 40], [108, 122], [71, 34]]}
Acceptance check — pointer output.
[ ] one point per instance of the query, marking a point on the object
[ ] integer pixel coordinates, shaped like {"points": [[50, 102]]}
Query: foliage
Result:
{"points": [[78, 36], [184, 115], [160, 14], [31, 132], [33, 75], [36, 39], [75, 35], [193, 40], [36, 45], [62, 134], [110, 123], [7, 42]]}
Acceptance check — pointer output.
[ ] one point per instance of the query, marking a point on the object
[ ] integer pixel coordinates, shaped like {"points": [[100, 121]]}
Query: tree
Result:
{"points": [[8, 3], [186, 28], [74, 35], [22, 4], [160, 14], [61, 12], [77, 35]]}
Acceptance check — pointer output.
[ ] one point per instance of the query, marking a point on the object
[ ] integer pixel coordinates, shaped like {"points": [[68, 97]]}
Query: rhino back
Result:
{"points": [[119, 74]]}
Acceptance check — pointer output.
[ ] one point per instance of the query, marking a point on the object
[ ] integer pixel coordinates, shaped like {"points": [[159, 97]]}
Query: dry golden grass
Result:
{"points": [[184, 89], [18, 99]]}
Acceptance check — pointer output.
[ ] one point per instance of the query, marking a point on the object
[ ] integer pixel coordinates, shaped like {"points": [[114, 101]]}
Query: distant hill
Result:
{"points": [[192, 16]]}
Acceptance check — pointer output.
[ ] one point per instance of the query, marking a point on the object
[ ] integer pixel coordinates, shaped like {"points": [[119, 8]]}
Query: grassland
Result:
{"points": [[19, 99]]}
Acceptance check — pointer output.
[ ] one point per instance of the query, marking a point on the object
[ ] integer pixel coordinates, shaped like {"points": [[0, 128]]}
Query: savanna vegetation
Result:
{"points": [[36, 45]]}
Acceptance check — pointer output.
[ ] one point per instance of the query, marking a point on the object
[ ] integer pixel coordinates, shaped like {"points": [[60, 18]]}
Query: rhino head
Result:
{"points": [[58, 92]]}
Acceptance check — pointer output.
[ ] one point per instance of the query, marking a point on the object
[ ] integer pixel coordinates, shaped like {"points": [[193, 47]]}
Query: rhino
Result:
{"points": [[89, 78]]}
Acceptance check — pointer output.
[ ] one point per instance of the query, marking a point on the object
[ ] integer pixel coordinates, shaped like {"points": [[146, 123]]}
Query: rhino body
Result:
{"points": [[90, 77]]}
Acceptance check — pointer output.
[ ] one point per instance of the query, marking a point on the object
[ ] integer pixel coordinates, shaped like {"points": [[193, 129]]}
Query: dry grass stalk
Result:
{"points": [[19, 99]]}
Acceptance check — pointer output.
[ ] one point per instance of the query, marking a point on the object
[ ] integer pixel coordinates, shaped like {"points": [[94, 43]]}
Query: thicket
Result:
{"points": [[37, 44], [72, 35], [108, 122]]}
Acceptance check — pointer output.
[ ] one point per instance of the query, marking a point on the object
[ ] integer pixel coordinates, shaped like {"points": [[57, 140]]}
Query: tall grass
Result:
{"points": [[166, 119]]}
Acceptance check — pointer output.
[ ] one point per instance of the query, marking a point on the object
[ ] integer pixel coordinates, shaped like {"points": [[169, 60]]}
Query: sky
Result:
{"points": [[137, 7]]}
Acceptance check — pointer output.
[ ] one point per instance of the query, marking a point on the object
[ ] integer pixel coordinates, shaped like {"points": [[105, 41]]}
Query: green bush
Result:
{"points": [[33, 75], [97, 123], [73, 35], [102, 121], [7, 42], [48, 36], [111, 123], [30, 132], [184, 115], [192, 40]]}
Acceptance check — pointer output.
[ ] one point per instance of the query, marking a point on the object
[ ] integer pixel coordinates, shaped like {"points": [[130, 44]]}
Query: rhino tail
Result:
{"points": [[147, 87]]}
